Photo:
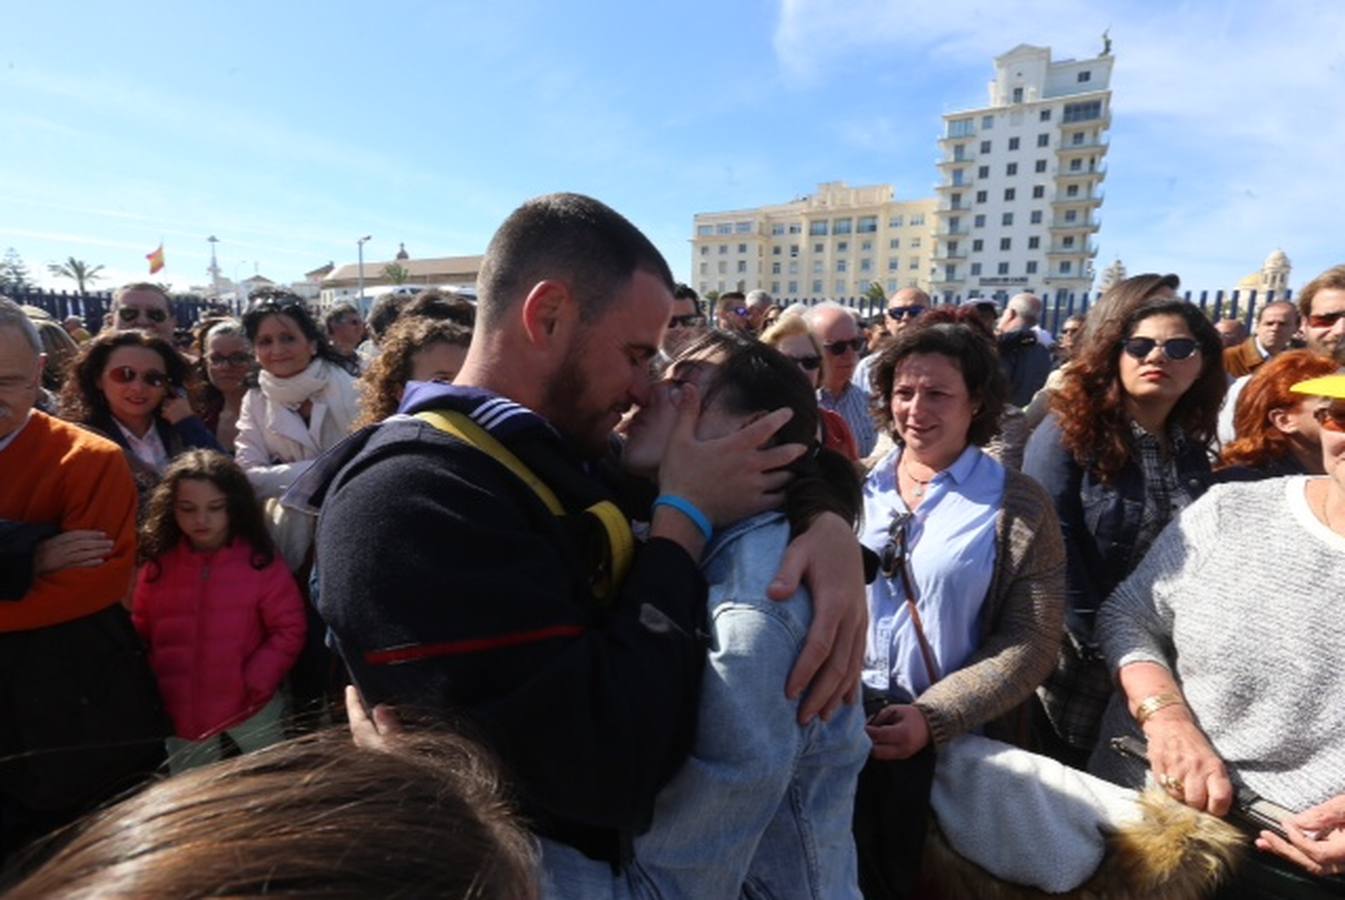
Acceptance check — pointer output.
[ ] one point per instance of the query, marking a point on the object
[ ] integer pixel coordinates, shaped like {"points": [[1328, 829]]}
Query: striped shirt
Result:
{"points": [[853, 406]]}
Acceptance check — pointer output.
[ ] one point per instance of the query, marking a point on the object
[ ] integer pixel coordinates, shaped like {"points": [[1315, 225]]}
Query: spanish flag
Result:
{"points": [[155, 259]]}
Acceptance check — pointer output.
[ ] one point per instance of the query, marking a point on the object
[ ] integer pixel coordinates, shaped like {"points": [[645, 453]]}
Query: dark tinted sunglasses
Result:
{"points": [[809, 363], [897, 313], [686, 321], [1174, 349], [126, 375], [1326, 320], [1331, 418], [739, 311], [838, 348], [132, 313], [893, 555]]}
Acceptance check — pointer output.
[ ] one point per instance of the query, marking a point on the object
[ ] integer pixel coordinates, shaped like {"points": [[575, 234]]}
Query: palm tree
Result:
{"points": [[76, 269], [396, 273]]}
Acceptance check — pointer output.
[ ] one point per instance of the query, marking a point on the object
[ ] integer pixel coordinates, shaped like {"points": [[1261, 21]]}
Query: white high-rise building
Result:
{"points": [[836, 242], [1021, 180]]}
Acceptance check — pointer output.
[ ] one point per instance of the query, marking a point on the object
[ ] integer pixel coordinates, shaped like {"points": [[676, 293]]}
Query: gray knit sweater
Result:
{"points": [[1243, 598]]}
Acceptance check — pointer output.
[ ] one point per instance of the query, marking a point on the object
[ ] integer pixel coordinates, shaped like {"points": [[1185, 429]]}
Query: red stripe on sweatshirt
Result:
{"points": [[417, 652]]}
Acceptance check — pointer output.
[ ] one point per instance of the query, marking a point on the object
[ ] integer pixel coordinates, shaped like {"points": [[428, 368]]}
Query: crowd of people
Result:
{"points": [[638, 597]]}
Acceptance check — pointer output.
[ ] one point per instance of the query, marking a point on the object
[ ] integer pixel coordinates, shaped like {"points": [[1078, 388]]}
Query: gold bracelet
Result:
{"points": [[1152, 704]]}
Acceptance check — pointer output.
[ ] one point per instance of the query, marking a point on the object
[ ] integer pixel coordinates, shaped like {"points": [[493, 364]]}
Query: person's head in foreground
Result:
{"points": [[1275, 425], [308, 817], [1331, 421], [415, 349]]}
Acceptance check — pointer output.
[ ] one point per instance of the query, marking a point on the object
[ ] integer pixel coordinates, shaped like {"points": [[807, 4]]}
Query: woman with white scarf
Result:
{"points": [[304, 403]]}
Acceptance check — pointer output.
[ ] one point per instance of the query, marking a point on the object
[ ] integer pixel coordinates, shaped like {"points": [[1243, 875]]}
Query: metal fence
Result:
{"points": [[1242, 305]]}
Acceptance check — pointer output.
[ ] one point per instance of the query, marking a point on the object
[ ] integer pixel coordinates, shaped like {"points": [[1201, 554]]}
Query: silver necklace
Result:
{"points": [[920, 486]]}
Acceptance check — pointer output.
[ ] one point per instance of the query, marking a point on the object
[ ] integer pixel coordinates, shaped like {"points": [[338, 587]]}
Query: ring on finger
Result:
{"points": [[1172, 784]]}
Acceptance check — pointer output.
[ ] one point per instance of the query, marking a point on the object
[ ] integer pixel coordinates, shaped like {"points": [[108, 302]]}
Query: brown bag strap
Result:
{"points": [[931, 666]]}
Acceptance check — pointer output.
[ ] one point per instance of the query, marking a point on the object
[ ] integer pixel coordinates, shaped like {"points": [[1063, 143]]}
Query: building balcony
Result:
{"points": [[966, 159], [964, 206], [1085, 249], [1060, 225], [964, 184], [953, 255], [957, 138], [1089, 200], [1082, 174], [959, 231], [1097, 147]]}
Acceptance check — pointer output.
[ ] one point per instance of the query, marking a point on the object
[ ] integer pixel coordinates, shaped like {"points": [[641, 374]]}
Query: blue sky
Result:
{"points": [[290, 129]]}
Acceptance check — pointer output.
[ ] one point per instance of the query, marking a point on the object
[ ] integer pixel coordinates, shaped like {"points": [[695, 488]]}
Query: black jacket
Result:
{"points": [[1099, 521], [1025, 363], [448, 586]]}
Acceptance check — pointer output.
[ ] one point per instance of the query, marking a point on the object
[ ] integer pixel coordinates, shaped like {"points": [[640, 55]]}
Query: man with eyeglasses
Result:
{"points": [[80, 717], [685, 322], [903, 308], [842, 340], [142, 306], [758, 303], [1321, 306], [732, 314]]}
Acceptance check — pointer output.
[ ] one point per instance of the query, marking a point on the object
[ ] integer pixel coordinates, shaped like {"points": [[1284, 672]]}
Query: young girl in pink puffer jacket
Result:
{"points": [[220, 611]]}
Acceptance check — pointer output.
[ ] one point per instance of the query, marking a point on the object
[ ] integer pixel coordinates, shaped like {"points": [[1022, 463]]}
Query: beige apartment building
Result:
{"points": [[834, 243]]}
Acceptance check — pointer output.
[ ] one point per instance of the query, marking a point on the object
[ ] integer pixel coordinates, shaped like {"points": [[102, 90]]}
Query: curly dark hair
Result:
{"points": [[381, 386], [267, 302], [82, 400], [1090, 404], [160, 533], [437, 304], [962, 336]]}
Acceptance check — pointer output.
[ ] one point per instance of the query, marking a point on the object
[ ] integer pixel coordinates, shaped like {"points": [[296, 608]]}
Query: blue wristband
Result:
{"points": [[688, 509]]}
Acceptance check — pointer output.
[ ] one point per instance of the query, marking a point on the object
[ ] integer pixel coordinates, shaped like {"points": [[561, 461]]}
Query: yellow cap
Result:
{"points": [[1332, 386]]}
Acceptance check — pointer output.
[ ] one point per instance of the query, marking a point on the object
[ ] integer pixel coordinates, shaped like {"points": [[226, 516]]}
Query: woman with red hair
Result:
{"points": [[1277, 432]]}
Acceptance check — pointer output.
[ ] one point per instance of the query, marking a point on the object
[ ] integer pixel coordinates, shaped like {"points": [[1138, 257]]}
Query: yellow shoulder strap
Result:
{"points": [[620, 539], [467, 431]]}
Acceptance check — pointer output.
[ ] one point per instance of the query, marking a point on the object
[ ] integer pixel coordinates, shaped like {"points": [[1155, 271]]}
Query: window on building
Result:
{"points": [[950, 272], [1039, 166], [1077, 138], [819, 248], [778, 228], [978, 221], [1017, 95], [775, 287], [793, 251], [894, 222], [777, 250], [867, 224], [795, 228], [840, 286], [915, 243], [917, 219], [1005, 243], [705, 268], [955, 200], [793, 287], [842, 246], [1045, 115], [894, 244], [1072, 190], [866, 265], [891, 285], [1002, 268], [987, 122], [915, 264], [818, 267], [977, 245], [742, 265], [723, 248], [841, 226], [1071, 215], [705, 286], [959, 177], [1013, 143], [892, 265], [985, 146], [723, 267], [775, 268], [1068, 242], [866, 246], [1009, 194], [1006, 219], [742, 248], [1034, 243], [817, 285], [952, 248], [1076, 165], [1066, 267], [1043, 140], [841, 265], [1085, 75], [705, 230], [1038, 191], [742, 227], [1032, 267], [982, 196], [1082, 112], [975, 269], [954, 222], [1035, 217], [705, 250], [961, 128], [794, 267], [818, 227], [724, 228], [1011, 169]]}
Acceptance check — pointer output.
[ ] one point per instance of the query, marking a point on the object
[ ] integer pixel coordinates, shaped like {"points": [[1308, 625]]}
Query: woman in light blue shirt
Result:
{"points": [[966, 613]]}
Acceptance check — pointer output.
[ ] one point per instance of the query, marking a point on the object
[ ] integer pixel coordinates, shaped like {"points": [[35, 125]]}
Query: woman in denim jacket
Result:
{"points": [[763, 805], [1124, 450]]}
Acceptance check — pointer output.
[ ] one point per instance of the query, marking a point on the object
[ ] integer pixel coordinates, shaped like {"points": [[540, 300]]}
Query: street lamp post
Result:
{"points": [[359, 245]]}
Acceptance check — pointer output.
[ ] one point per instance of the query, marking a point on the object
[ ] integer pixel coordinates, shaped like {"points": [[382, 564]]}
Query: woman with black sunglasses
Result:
{"points": [[129, 386], [965, 612], [1124, 450], [792, 337]]}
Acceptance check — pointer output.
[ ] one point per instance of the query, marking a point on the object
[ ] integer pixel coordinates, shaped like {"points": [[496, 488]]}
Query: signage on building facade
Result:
{"points": [[993, 280]]}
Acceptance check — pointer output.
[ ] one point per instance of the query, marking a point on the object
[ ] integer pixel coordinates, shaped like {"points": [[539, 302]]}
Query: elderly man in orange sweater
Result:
{"points": [[80, 717]]}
